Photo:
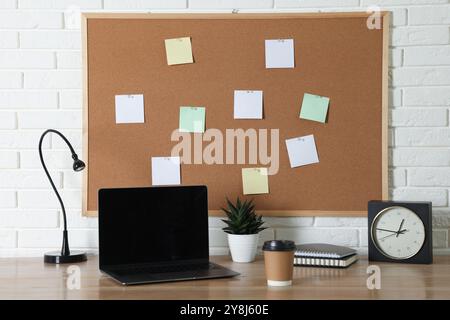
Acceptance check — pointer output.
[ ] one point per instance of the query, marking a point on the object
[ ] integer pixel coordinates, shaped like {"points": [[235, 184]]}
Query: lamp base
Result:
{"points": [[56, 257]]}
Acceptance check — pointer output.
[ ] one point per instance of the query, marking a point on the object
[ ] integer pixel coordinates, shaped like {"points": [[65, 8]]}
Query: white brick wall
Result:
{"points": [[68, 60], [7, 120], [14, 19], [50, 39], [59, 4], [44, 119], [427, 56], [144, 4], [40, 87], [9, 39], [11, 80], [429, 15], [8, 4], [9, 159], [28, 99], [23, 59], [52, 79], [8, 199]]}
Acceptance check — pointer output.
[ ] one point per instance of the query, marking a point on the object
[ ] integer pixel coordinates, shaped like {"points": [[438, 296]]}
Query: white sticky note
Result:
{"points": [[130, 108], [165, 171], [302, 151], [280, 53], [248, 104]]}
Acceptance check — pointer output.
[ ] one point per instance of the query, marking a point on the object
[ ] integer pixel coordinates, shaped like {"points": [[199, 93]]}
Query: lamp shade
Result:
{"points": [[78, 165]]}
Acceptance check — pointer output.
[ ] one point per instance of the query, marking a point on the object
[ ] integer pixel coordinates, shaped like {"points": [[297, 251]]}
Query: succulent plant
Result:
{"points": [[242, 218]]}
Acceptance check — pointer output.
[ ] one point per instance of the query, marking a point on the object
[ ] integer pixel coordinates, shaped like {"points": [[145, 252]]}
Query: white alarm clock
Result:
{"points": [[400, 232]]}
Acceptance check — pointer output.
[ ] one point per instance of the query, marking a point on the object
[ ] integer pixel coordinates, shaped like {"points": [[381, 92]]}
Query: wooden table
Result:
{"points": [[30, 278]]}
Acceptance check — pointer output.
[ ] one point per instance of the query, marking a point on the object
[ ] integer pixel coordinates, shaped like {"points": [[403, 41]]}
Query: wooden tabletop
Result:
{"points": [[30, 278]]}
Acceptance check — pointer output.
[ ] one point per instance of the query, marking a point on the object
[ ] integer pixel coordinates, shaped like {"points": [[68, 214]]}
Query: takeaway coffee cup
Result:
{"points": [[279, 262]]}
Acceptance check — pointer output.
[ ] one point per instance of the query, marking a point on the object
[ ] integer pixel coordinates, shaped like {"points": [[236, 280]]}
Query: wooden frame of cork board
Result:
{"points": [[336, 55]]}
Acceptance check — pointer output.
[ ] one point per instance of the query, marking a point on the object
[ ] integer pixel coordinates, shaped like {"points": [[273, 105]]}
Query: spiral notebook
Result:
{"points": [[324, 255], [323, 250]]}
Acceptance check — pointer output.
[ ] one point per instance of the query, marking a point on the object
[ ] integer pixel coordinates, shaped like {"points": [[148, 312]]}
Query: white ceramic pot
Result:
{"points": [[243, 246]]}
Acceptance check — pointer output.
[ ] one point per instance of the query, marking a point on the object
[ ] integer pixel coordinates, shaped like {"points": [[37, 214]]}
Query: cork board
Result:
{"points": [[336, 55]]}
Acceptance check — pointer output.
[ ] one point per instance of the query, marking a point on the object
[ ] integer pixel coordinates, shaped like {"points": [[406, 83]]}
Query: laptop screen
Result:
{"points": [[150, 225]]}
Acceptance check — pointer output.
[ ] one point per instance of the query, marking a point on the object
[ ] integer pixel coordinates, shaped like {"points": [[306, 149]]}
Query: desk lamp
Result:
{"points": [[65, 255]]}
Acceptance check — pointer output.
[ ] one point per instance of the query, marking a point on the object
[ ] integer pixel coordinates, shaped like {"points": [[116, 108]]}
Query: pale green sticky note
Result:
{"points": [[179, 51], [255, 180], [192, 119], [314, 108]]}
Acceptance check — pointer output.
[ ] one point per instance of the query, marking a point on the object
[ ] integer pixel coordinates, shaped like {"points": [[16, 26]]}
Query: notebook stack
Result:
{"points": [[324, 255]]}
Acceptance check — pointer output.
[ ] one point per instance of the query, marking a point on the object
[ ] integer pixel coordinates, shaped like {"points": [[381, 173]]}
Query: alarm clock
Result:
{"points": [[400, 232]]}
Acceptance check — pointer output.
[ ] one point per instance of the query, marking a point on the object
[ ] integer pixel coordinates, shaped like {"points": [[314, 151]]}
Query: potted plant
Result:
{"points": [[243, 227]]}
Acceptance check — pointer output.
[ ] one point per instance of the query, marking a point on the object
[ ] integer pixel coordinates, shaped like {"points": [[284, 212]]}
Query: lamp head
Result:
{"points": [[78, 165]]}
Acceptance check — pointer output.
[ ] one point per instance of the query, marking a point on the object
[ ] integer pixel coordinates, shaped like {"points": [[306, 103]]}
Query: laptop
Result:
{"points": [[156, 234]]}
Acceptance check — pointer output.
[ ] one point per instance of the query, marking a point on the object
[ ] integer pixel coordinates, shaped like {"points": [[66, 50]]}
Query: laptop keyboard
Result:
{"points": [[166, 269]]}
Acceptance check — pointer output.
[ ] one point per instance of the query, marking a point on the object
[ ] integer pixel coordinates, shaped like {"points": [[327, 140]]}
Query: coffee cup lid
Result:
{"points": [[279, 245]]}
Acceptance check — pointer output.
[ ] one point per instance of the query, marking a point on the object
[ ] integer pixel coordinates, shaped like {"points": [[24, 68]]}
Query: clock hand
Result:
{"points": [[388, 236], [386, 230], [394, 234], [400, 228]]}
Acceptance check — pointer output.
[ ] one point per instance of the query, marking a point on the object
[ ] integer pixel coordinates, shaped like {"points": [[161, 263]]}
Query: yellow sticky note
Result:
{"points": [[255, 180], [179, 51]]}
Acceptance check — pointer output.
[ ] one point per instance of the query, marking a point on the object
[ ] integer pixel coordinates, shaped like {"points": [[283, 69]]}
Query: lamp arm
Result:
{"points": [[74, 156]]}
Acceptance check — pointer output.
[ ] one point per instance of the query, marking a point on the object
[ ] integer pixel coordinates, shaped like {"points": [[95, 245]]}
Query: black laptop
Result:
{"points": [[155, 234]]}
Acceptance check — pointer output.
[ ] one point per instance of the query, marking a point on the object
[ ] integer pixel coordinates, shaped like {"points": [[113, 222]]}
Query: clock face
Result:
{"points": [[398, 233]]}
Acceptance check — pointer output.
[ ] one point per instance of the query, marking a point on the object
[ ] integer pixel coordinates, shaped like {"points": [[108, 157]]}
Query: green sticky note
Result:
{"points": [[255, 180], [314, 108], [192, 119]]}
